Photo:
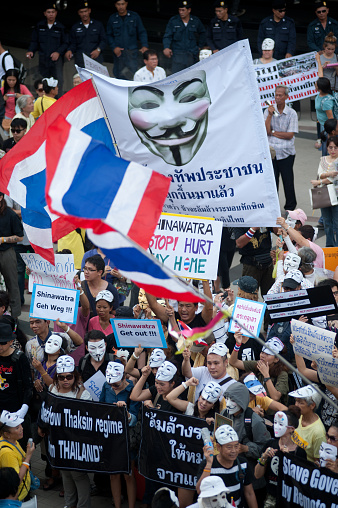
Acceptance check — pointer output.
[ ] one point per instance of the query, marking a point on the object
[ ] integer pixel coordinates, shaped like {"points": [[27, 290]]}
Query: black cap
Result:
{"points": [[221, 3], [320, 4], [49, 5], [6, 333], [184, 3], [278, 4], [247, 284], [83, 4]]}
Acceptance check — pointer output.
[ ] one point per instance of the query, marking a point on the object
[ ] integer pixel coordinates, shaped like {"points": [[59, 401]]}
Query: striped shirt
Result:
{"points": [[285, 122], [231, 478]]}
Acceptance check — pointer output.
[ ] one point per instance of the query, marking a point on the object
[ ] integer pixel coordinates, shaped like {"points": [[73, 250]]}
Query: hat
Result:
{"points": [[278, 4], [114, 372], [220, 3], [307, 391], [49, 5], [254, 386], [10, 419], [65, 363], [157, 357], [292, 279], [275, 344], [82, 4], [320, 4], [184, 3], [211, 392], [225, 434], [52, 82], [105, 295], [197, 348], [6, 333], [268, 44], [211, 486], [166, 371], [218, 349], [247, 284], [297, 214]]}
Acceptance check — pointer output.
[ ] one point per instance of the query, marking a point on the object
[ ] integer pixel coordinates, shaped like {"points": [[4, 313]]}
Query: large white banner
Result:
{"points": [[298, 73], [203, 127]]}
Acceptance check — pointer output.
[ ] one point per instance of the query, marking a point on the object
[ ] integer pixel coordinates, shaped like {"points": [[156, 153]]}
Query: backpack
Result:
{"points": [[17, 65]]}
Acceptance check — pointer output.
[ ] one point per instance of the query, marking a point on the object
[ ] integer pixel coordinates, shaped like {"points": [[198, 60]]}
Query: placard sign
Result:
{"points": [[42, 272], [50, 302], [312, 302], [188, 245], [82, 435], [132, 332], [331, 257], [94, 385], [92, 65], [250, 314]]}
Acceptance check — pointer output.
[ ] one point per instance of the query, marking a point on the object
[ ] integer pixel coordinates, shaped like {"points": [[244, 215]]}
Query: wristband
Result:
{"points": [[249, 234], [266, 379], [5, 240], [185, 386], [81, 293], [67, 329], [26, 464], [207, 470], [261, 462], [237, 347], [136, 357], [44, 374]]}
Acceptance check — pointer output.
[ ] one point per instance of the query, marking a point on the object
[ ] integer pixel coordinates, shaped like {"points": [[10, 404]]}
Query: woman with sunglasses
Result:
{"points": [[66, 383], [116, 390], [332, 439]]}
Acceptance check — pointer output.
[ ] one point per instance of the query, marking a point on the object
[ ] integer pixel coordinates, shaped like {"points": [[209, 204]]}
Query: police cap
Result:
{"points": [[49, 5], [220, 4], [184, 3], [82, 4], [278, 4], [320, 4]]}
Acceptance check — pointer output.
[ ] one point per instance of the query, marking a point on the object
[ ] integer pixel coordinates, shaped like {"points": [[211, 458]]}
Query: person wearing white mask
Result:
{"points": [[268, 46], [156, 358], [216, 369], [228, 466], [45, 370], [285, 424], [213, 494], [97, 357]]}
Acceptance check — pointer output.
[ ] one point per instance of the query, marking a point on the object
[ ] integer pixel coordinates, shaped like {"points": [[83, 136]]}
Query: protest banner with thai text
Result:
{"points": [[86, 436], [249, 314], [52, 303], [132, 332], [94, 385], [188, 245], [311, 341], [42, 272], [298, 73]]}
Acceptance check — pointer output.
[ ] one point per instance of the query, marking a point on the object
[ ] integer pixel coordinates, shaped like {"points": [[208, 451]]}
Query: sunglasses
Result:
{"points": [[331, 438], [321, 12], [17, 131], [39, 89], [69, 377]]}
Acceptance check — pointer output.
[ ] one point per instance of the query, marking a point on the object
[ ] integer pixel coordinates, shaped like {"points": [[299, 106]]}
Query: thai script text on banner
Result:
{"points": [[42, 272]]}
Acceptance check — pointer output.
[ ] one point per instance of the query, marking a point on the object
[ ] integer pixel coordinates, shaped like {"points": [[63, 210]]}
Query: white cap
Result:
{"points": [[307, 391], [225, 434], [114, 372], [51, 82], [268, 44], [275, 344], [166, 371], [218, 349], [10, 419], [211, 392], [292, 279], [211, 486], [156, 358], [105, 295], [65, 363]]}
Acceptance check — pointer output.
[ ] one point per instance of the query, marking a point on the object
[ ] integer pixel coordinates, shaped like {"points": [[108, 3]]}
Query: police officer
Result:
{"points": [[281, 29], [50, 39], [87, 36], [184, 35], [223, 29], [320, 27], [124, 29]]}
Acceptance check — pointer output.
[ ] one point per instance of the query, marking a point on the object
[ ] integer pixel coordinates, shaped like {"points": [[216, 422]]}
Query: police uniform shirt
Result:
{"points": [[48, 40], [85, 40], [124, 31], [316, 33], [221, 34], [182, 38], [283, 33], [147, 76]]}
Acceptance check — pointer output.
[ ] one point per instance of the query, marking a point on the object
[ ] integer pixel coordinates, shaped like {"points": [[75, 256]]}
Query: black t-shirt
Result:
{"points": [[259, 245], [16, 386], [196, 321], [161, 403], [248, 351], [8, 144], [88, 370], [231, 478], [271, 472], [9, 225]]}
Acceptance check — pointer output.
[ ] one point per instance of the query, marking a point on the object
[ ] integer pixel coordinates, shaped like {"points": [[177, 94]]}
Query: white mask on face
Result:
{"points": [[205, 53], [97, 349], [114, 372], [219, 501], [327, 452], [280, 424], [254, 386], [65, 364], [166, 371], [231, 406], [291, 262], [290, 222], [157, 357], [53, 344]]}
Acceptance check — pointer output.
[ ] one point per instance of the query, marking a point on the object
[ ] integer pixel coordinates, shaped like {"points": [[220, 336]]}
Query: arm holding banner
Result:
{"points": [[74, 336], [243, 240], [293, 234], [130, 367], [234, 361], [158, 309], [208, 454], [309, 373], [173, 396]]}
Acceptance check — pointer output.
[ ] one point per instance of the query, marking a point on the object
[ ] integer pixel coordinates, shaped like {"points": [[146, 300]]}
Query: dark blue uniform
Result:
{"points": [[221, 34], [283, 33], [185, 41], [316, 33], [47, 41], [124, 32], [85, 40]]}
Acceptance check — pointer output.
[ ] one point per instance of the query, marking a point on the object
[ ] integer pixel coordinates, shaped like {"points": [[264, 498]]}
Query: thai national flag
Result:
{"points": [[22, 170], [98, 191]]}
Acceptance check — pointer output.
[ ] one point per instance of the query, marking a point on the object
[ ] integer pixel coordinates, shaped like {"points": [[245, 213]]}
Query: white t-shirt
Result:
{"points": [[147, 77], [204, 377], [85, 395], [9, 63]]}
